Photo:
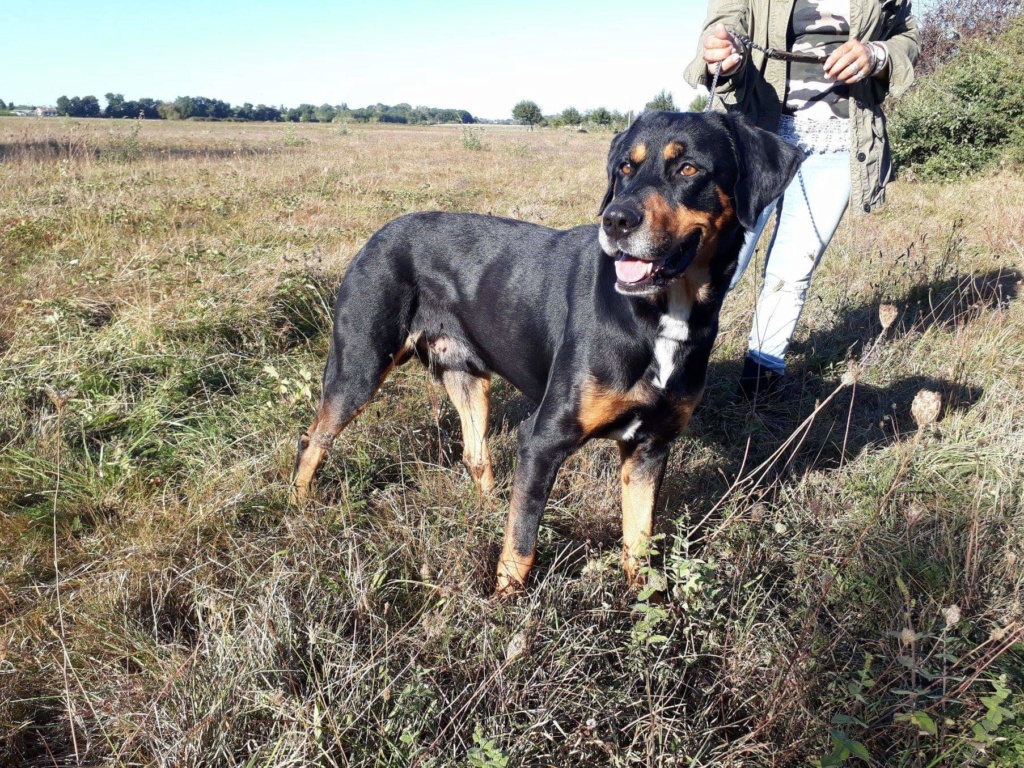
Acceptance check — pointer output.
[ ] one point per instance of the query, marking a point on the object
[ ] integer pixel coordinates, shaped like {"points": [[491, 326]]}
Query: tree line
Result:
{"points": [[204, 108], [528, 113]]}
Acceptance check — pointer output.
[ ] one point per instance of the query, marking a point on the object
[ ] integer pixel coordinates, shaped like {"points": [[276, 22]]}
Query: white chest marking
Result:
{"points": [[673, 330], [629, 432]]}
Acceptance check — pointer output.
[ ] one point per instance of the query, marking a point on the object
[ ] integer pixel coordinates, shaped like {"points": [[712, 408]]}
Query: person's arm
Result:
{"points": [[731, 15], [903, 43], [890, 60]]}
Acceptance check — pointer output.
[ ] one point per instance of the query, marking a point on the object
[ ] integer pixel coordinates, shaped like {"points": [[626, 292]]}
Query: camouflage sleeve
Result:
{"points": [[903, 41], [735, 16]]}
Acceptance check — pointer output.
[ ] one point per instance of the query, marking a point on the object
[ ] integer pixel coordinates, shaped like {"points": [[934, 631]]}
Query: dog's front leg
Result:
{"points": [[643, 467], [543, 447]]}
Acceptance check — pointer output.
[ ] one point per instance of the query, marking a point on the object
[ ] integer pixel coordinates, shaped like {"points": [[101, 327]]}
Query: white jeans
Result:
{"points": [[809, 213]]}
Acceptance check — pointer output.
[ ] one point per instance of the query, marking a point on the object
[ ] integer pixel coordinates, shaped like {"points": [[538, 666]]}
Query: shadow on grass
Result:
{"points": [[951, 302], [860, 418]]}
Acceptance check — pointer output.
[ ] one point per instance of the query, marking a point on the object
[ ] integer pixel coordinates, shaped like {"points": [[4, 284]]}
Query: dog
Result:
{"points": [[607, 328]]}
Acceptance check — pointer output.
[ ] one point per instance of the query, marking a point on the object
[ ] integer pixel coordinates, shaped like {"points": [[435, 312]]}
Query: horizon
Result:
{"points": [[453, 55], [103, 101]]}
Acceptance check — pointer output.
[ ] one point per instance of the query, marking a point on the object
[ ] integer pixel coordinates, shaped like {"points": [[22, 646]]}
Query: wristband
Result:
{"points": [[879, 57]]}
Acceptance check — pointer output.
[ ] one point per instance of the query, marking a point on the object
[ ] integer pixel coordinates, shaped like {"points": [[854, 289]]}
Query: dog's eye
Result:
{"points": [[688, 170], [626, 168]]}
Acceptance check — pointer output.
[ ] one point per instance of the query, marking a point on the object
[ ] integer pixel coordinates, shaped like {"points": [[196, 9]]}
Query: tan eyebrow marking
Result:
{"points": [[638, 154], [674, 149]]}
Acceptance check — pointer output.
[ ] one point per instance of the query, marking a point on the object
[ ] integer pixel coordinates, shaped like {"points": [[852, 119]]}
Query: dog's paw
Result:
{"points": [[507, 588]]}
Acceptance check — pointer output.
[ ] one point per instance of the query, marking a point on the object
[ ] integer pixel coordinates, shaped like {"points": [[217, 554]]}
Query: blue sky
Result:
{"points": [[477, 56]]}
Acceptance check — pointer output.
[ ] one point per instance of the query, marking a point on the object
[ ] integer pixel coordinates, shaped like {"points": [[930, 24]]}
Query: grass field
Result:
{"points": [[840, 590]]}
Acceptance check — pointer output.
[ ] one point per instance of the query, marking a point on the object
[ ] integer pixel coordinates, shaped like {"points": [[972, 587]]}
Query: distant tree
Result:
{"points": [[325, 113], [663, 102], [220, 110], [115, 105], [266, 114], [598, 116], [570, 116], [527, 112], [63, 103], [184, 107], [148, 108], [304, 113], [699, 103], [90, 106], [2, 104], [169, 111]]}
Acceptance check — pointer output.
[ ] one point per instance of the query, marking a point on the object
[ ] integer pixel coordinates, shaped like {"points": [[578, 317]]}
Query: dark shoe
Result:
{"points": [[758, 383]]}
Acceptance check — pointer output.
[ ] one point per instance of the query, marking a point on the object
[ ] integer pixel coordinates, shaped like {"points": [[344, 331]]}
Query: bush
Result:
{"points": [[663, 102], [946, 25], [966, 115], [699, 103], [570, 116]]}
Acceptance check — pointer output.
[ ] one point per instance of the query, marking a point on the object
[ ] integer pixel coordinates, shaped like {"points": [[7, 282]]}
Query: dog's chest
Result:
{"points": [[673, 332], [655, 402]]}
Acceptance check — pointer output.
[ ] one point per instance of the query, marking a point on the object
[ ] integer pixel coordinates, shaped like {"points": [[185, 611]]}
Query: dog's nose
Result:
{"points": [[620, 220]]}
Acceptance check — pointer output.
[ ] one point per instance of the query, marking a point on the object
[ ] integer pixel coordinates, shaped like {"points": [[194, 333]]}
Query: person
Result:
{"points": [[832, 110]]}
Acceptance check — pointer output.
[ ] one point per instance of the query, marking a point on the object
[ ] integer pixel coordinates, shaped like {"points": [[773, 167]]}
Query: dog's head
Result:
{"points": [[676, 182]]}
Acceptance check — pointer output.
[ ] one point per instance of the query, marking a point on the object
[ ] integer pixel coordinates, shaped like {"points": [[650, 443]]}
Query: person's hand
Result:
{"points": [[849, 63], [721, 46]]}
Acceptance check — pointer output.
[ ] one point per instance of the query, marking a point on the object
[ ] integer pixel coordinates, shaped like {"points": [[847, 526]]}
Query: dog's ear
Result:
{"points": [[766, 164], [608, 195], [613, 156]]}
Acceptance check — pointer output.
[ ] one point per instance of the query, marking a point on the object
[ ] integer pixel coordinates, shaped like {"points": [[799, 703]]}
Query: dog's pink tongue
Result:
{"points": [[630, 270]]}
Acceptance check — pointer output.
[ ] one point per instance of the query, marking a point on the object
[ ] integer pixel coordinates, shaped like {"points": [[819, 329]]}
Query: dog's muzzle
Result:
{"points": [[642, 265]]}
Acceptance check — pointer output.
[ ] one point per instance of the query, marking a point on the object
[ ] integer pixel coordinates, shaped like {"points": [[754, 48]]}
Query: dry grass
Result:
{"points": [[173, 282]]}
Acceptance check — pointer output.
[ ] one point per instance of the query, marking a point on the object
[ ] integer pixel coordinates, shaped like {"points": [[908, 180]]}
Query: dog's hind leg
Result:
{"points": [[472, 398], [643, 466], [352, 376]]}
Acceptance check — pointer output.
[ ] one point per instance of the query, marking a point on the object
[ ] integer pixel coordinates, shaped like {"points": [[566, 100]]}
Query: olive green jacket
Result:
{"points": [[758, 88]]}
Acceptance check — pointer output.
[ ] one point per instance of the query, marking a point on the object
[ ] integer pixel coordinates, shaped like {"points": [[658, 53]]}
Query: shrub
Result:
{"points": [[661, 102], [699, 103], [946, 25], [570, 116], [966, 115], [471, 138]]}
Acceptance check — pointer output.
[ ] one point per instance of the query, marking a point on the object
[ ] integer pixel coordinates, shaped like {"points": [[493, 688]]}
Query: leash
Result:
{"points": [[714, 87], [771, 53], [775, 53]]}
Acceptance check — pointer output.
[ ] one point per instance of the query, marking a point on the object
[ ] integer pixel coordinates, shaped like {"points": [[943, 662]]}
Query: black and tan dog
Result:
{"points": [[606, 328]]}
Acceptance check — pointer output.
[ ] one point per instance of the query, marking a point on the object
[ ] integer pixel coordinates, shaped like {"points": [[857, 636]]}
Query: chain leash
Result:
{"points": [[771, 53]]}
